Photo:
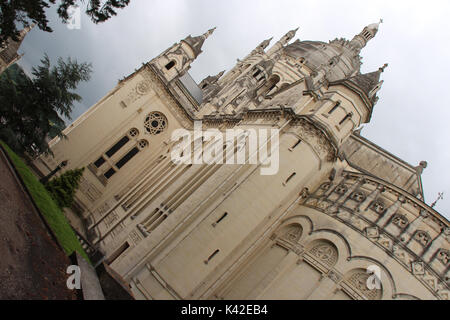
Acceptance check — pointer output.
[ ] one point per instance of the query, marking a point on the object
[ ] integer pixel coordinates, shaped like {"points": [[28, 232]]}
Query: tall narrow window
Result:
{"points": [[127, 157], [107, 164], [220, 219], [170, 65], [117, 146], [108, 174], [348, 115], [336, 105], [118, 252], [272, 83], [289, 178], [295, 145], [211, 256], [99, 162]]}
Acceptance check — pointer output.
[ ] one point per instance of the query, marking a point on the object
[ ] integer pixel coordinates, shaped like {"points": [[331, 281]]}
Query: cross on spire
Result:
{"points": [[440, 196]]}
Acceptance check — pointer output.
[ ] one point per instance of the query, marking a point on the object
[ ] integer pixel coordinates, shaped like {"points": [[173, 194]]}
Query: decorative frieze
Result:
{"points": [[414, 258]]}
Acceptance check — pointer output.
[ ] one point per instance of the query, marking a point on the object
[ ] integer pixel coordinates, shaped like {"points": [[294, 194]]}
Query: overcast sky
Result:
{"points": [[410, 120]]}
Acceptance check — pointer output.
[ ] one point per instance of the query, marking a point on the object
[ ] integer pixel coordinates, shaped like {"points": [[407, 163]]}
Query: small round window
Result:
{"points": [[133, 132], [142, 144], [155, 123]]}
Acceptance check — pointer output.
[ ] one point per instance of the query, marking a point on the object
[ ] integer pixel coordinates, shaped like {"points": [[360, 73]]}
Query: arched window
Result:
{"points": [[112, 160], [356, 284], [170, 65], [270, 85], [292, 232], [323, 251]]}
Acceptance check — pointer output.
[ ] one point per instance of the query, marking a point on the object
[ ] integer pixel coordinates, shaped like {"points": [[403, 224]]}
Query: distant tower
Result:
{"points": [[8, 50], [360, 40], [176, 60]]}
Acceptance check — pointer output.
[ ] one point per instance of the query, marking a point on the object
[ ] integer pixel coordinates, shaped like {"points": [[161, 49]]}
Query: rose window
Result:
{"points": [[155, 123]]}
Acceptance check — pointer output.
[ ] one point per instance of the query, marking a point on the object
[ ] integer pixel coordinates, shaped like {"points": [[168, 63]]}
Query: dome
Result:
{"points": [[340, 61]]}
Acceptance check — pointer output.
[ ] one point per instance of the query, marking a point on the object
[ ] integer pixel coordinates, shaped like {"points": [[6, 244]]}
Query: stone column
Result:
{"points": [[323, 290], [273, 275]]}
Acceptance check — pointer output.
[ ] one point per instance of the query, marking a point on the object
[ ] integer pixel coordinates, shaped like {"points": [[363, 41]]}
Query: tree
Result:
{"points": [[24, 12], [63, 188], [31, 108]]}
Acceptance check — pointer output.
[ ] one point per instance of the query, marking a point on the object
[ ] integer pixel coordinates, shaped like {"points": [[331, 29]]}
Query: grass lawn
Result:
{"points": [[49, 209]]}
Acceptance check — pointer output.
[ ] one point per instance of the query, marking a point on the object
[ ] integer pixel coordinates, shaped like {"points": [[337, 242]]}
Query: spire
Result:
{"points": [[208, 33], [381, 69], [370, 82], [214, 79], [9, 48], [360, 40], [282, 42], [260, 48], [25, 30], [196, 43], [265, 43], [211, 80], [288, 36]]}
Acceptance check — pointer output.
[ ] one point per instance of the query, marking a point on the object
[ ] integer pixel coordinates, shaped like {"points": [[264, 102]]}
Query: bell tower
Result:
{"points": [[176, 60], [360, 40], [8, 50]]}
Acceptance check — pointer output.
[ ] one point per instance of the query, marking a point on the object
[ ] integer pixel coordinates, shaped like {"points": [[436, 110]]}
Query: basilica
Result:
{"points": [[340, 217]]}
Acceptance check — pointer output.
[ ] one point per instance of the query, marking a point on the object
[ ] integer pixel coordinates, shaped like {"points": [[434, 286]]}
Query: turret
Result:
{"points": [[360, 40], [196, 43], [176, 60], [282, 42], [349, 103], [8, 49]]}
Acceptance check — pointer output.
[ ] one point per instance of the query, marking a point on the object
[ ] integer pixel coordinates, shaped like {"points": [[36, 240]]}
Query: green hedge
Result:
{"points": [[49, 209]]}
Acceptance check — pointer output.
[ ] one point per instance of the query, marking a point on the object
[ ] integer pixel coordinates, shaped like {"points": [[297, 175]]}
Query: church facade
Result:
{"points": [[338, 218]]}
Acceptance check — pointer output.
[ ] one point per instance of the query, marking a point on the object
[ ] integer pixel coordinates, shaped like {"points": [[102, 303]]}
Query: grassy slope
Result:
{"points": [[52, 213]]}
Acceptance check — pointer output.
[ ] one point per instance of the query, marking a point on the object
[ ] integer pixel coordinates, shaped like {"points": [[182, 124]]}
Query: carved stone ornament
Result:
{"points": [[400, 221], [293, 233], [418, 268], [378, 207], [315, 138], [358, 196], [142, 88], [325, 253], [359, 281], [422, 237], [341, 189], [443, 256], [372, 232]]}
